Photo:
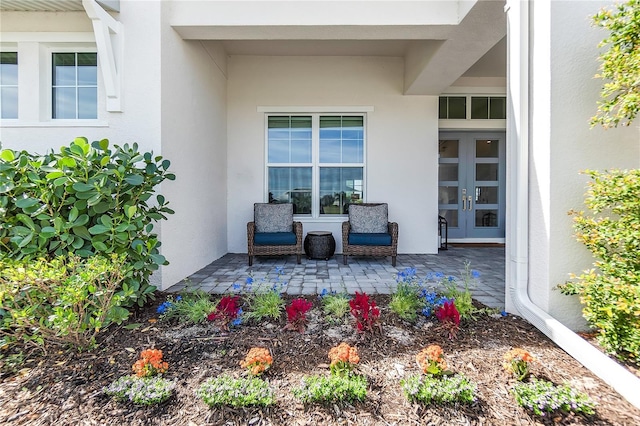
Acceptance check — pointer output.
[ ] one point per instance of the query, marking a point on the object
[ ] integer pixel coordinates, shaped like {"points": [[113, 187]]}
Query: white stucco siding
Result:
{"points": [[194, 140], [563, 144], [401, 146]]}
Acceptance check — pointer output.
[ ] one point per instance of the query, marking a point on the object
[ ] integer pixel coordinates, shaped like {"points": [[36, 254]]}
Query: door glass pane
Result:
{"points": [[480, 107], [486, 195], [340, 186], [486, 218], [448, 195], [448, 148], [487, 148], [451, 216], [448, 171], [457, 107], [486, 172]]}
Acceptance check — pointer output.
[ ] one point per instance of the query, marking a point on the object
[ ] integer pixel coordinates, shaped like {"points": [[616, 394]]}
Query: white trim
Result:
{"points": [[477, 240], [314, 109], [48, 37], [107, 30], [7, 123], [472, 124]]}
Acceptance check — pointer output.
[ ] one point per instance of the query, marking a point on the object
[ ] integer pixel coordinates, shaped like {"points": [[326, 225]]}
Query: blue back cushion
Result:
{"points": [[274, 238], [370, 239]]}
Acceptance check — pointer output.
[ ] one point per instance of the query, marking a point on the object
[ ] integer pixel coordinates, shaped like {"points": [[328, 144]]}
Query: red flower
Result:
{"points": [[225, 312], [365, 312], [448, 312], [297, 314]]}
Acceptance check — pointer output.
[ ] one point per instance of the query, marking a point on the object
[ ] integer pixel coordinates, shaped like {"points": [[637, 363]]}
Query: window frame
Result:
{"points": [[315, 158], [55, 50]]}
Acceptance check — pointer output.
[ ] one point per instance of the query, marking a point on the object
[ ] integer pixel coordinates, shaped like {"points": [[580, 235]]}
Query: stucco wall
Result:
{"points": [[401, 163], [562, 144], [194, 140]]}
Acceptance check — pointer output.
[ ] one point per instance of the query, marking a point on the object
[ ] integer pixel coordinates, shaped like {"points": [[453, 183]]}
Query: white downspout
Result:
{"points": [[518, 131]]}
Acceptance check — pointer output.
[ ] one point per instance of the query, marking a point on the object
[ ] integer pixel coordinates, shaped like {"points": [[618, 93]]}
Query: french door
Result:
{"points": [[471, 179]]}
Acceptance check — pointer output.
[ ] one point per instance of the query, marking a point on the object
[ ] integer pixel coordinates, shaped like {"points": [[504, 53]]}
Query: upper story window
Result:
{"points": [[8, 85], [475, 107], [316, 162], [75, 85]]}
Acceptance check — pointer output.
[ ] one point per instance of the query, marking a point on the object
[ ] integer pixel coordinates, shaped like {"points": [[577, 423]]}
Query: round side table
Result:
{"points": [[319, 245]]}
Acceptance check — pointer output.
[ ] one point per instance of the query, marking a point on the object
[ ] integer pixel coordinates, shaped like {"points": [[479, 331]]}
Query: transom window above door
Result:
{"points": [[316, 162]]}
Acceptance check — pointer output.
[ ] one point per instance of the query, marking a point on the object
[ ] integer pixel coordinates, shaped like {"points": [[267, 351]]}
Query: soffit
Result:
{"points": [[53, 5]]}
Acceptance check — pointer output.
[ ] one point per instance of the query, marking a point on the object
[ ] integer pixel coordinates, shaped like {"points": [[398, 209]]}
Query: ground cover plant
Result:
{"points": [[64, 386]]}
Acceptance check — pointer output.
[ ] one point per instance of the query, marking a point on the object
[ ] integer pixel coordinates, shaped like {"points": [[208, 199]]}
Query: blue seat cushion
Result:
{"points": [[274, 238], [372, 239]]}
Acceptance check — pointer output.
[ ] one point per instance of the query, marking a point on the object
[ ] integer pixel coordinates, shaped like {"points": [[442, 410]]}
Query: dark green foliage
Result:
{"points": [[87, 199]]}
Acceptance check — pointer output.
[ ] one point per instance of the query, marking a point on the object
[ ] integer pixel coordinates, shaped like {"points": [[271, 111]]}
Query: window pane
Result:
{"points": [[487, 148], [9, 69], [498, 108], [64, 69], [487, 218], [9, 102], [448, 171], [479, 108], [289, 139], [88, 75], [442, 107], [486, 195], [291, 185], [340, 186], [448, 195], [448, 148], [487, 172], [87, 102], [457, 107], [341, 139], [64, 102]]}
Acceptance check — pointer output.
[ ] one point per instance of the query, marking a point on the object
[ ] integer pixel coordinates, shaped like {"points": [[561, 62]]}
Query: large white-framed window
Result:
{"points": [[9, 85], [74, 85], [316, 161]]}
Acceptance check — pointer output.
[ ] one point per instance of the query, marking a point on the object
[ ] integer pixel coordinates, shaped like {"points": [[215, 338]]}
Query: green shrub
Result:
{"points": [[428, 389], [87, 200], [333, 388], [611, 231], [541, 396], [335, 305], [67, 300], [141, 390], [243, 392], [462, 297], [265, 303], [406, 300], [189, 307]]}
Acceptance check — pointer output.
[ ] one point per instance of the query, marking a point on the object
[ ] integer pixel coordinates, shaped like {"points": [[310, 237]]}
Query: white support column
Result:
{"points": [[109, 36]]}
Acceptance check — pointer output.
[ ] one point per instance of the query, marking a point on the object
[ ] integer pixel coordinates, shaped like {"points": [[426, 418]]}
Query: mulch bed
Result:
{"points": [[64, 387]]}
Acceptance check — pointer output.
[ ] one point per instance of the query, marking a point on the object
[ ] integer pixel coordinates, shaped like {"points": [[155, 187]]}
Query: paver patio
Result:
{"points": [[369, 274]]}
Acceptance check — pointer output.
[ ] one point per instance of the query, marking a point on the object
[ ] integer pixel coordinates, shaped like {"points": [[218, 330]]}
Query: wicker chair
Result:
{"points": [[273, 232], [369, 233]]}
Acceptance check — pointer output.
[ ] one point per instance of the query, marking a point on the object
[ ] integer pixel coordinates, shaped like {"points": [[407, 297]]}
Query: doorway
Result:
{"points": [[471, 185]]}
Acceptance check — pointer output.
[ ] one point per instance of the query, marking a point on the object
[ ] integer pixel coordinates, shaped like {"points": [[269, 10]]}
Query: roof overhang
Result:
{"points": [[54, 5]]}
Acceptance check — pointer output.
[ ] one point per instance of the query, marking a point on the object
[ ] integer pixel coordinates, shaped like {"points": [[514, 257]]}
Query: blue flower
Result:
{"points": [[178, 298], [236, 286], [503, 313], [249, 280], [475, 274], [324, 292], [164, 307], [426, 311], [279, 270], [236, 322], [439, 275], [451, 278]]}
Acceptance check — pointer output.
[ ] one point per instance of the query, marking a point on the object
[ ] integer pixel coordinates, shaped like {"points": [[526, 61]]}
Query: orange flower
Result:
{"points": [[517, 362], [518, 354], [343, 353], [150, 363], [258, 360], [431, 360]]}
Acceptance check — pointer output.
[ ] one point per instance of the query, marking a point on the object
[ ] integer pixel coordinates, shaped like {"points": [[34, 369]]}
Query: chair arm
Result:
{"points": [[297, 229], [393, 230], [251, 231], [346, 228]]}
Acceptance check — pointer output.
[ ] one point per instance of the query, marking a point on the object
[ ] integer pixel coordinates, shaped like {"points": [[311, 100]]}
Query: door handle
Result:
{"points": [[470, 203], [464, 203]]}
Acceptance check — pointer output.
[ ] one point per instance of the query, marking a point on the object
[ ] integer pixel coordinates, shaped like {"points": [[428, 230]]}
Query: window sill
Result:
{"points": [[7, 123]]}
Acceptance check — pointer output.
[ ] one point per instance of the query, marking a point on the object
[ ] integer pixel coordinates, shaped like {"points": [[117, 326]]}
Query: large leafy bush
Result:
{"points": [[87, 199], [611, 231]]}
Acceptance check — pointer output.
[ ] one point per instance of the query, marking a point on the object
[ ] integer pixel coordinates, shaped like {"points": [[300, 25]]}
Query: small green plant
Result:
{"points": [[263, 296], [141, 390], [66, 300], [11, 364], [516, 361], [406, 301], [462, 297], [228, 391], [543, 397], [188, 307], [335, 305], [333, 388], [429, 389]]}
